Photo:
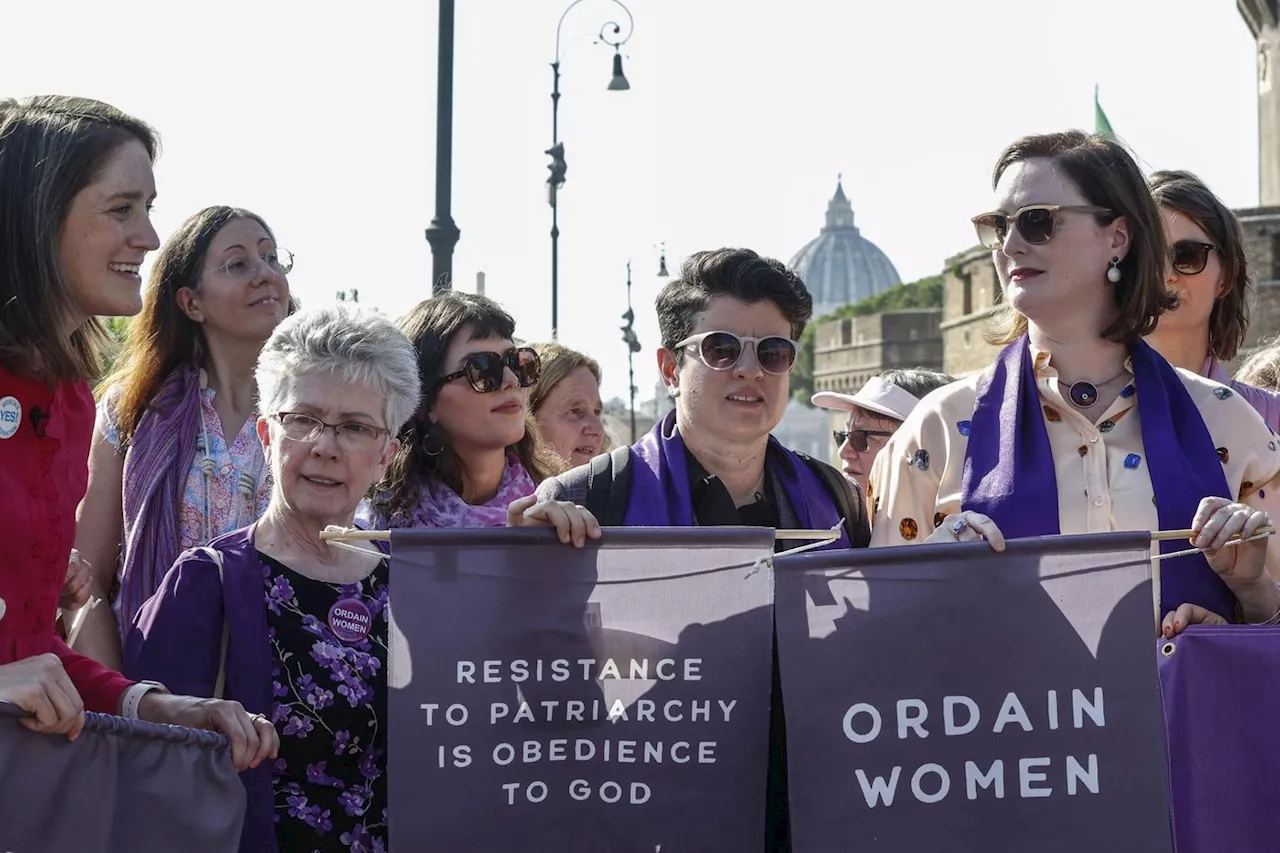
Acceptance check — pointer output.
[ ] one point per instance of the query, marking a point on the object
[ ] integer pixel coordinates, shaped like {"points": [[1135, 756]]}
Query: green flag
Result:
{"points": [[1100, 122]]}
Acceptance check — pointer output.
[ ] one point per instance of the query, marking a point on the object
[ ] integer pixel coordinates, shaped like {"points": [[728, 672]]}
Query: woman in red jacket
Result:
{"points": [[75, 225]]}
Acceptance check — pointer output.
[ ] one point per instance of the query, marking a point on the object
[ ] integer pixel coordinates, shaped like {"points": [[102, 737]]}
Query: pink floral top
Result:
{"points": [[228, 508]]}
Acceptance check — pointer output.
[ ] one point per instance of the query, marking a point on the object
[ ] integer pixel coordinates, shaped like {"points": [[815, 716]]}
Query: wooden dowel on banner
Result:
{"points": [[338, 534], [1162, 535]]}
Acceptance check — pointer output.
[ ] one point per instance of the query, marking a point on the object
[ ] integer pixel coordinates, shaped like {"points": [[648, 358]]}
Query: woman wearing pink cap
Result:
{"points": [[875, 413]]}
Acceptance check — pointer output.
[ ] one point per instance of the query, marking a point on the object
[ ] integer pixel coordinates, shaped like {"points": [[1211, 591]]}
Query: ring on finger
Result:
{"points": [[958, 527]]}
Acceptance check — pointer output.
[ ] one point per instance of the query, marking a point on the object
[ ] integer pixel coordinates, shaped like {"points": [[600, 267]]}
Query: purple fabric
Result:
{"points": [[1009, 470], [1221, 689], [1266, 402], [155, 473], [177, 639], [122, 785], [660, 485]]}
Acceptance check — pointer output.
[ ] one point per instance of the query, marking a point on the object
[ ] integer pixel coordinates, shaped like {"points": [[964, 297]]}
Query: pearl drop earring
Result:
{"points": [[1113, 272]]}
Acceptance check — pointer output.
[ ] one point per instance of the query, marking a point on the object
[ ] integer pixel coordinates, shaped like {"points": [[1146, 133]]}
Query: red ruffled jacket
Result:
{"points": [[44, 470]]}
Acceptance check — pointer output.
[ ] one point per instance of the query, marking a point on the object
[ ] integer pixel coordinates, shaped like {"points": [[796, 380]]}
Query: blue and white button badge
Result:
{"points": [[10, 417]]}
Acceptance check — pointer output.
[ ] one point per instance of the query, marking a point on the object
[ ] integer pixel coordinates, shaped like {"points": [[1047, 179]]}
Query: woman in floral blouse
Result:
{"points": [[176, 460], [290, 625]]}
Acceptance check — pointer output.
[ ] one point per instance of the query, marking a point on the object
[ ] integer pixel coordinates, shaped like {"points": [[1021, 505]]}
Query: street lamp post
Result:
{"points": [[618, 83], [443, 233], [633, 347]]}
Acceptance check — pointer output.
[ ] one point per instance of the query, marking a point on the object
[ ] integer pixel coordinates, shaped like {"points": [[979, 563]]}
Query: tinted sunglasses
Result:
{"points": [[1190, 257], [486, 371], [722, 350], [859, 439], [1035, 222]]}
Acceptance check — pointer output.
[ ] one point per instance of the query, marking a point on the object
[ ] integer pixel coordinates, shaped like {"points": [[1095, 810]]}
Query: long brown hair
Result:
{"points": [[163, 337], [51, 148], [426, 449], [1187, 194], [1107, 176]]}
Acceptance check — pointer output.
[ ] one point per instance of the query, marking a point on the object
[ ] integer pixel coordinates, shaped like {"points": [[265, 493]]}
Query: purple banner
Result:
{"points": [[1221, 693], [580, 700], [121, 787], [942, 697]]}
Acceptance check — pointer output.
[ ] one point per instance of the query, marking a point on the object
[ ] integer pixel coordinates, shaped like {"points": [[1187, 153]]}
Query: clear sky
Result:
{"points": [[321, 117]]}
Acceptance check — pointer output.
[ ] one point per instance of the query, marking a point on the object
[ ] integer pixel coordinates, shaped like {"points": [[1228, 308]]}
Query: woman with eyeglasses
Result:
{"points": [[1080, 426], [176, 460], [1210, 275], [875, 413], [291, 626], [470, 450]]}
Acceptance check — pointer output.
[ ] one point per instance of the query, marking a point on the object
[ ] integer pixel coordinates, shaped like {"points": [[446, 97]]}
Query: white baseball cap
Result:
{"points": [[879, 396]]}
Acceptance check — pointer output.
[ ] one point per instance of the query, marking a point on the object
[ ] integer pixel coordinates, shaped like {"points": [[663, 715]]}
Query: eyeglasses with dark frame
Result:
{"points": [[722, 351], [1190, 257], [1035, 222], [485, 372], [307, 428], [859, 439]]}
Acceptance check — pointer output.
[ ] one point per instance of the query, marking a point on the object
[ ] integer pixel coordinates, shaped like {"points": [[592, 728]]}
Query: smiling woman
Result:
{"points": [[176, 461]]}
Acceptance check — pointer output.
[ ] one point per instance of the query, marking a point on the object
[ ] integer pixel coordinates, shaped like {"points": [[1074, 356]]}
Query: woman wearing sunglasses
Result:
{"points": [[1209, 273], [176, 460], [875, 413], [469, 452], [1080, 426]]}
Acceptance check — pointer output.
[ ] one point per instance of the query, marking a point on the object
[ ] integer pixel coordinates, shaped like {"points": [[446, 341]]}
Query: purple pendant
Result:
{"points": [[1084, 394], [350, 620]]}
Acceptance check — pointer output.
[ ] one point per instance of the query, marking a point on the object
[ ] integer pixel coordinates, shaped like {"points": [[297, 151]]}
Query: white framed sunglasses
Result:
{"points": [[722, 350]]}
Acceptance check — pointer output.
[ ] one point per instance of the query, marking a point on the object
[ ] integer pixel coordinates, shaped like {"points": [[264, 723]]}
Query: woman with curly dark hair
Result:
{"points": [[469, 451]]}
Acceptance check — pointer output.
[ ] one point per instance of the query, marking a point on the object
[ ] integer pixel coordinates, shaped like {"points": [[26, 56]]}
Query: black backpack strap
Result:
{"points": [[849, 501], [609, 486]]}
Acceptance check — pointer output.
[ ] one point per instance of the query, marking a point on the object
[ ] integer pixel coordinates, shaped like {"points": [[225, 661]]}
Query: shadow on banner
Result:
{"points": [[942, 697], [123, 786], [1221, 692], [611, 698]]}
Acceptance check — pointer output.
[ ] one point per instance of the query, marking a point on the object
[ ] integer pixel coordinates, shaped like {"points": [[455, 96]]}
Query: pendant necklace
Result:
{"points": [[1084, 394]]}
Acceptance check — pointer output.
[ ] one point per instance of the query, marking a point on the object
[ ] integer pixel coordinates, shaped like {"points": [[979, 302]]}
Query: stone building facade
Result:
{"points": [[848, 352]]}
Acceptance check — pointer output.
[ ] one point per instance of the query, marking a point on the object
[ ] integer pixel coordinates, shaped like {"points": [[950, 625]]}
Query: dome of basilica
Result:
{"points": [[840, 266]]}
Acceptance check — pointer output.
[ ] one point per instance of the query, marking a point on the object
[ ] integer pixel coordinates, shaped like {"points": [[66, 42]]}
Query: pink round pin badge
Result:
{"points": [[350, 620]]}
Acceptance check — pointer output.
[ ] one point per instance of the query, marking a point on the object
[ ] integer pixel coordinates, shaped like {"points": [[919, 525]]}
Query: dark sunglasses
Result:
{"points": [[1190, 257], [1035, 222], [486, 371], [858, 438], [721, 350]]}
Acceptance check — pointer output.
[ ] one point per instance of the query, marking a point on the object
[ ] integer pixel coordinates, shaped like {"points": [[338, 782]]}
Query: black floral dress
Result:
{"points": [[329, 704]]}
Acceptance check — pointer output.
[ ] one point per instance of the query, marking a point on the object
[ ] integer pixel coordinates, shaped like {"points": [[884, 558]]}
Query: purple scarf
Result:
{"points": [[660, 494], [1009, 470], [155, 473], [441, 506]]}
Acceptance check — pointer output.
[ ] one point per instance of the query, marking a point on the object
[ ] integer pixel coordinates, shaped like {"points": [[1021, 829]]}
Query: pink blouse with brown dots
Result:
{"points": [[1103, 480]]}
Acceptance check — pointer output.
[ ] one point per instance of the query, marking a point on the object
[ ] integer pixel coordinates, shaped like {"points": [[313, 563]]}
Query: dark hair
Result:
{"points": [[1107, 176], [916, 381], [51, 148], [162, 336], [1187, 194], [431, 326], [739, 273]]}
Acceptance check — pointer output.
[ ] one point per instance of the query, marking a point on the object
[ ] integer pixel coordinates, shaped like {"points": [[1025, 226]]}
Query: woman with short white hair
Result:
{"points": [[288, 624]]}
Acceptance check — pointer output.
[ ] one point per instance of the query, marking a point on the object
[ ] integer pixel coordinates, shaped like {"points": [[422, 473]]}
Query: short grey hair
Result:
{"points": [[353, 343]]}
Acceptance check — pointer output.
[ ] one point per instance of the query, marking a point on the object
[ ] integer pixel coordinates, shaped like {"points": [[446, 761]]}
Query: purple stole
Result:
{"points": [[1009, 471], [660, 494], [156, 466]]}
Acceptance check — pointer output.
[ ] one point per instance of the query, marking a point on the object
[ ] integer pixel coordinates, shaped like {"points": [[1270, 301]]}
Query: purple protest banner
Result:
{"points": [[122, 786], [942, 697], [614, 697], [1221, 690]]}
